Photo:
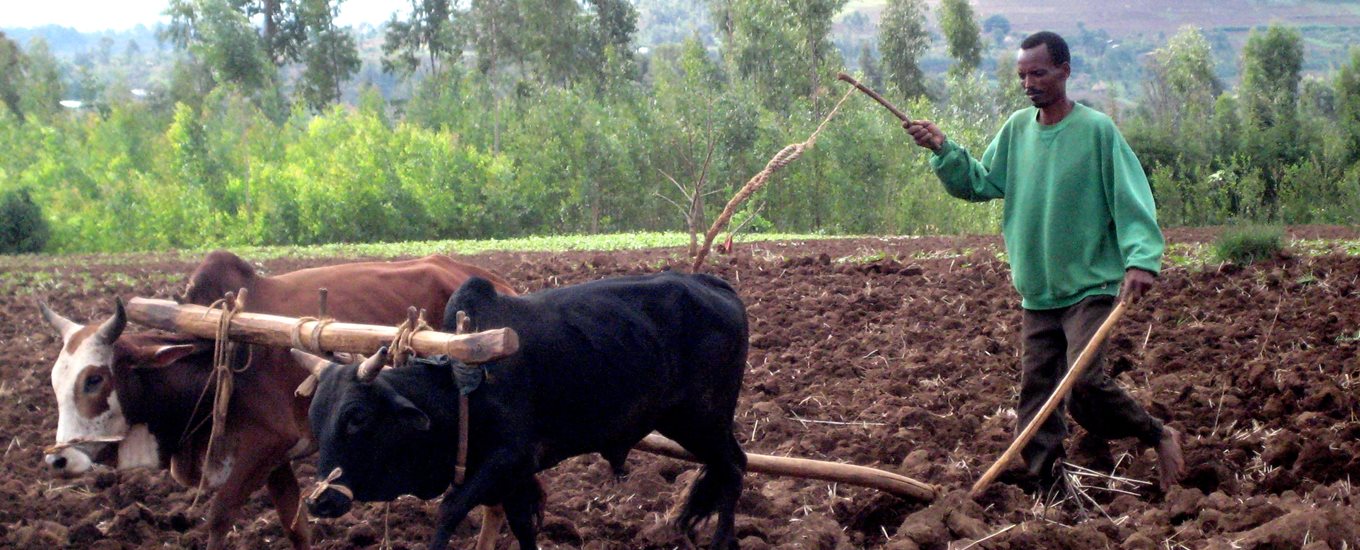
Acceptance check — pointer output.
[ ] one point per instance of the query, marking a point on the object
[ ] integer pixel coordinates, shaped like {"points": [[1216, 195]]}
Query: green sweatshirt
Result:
{"points": [[1078, 209]]}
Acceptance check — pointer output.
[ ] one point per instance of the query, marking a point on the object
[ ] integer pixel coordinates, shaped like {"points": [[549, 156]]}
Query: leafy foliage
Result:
{"points": [[902, 38], [543, 117], [961, 34], [22, 227]]}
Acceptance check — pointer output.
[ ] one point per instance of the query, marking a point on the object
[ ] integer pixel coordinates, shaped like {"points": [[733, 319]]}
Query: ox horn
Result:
{"points": [[63, 325], [369, 369], [113, 328], [312, 363]]}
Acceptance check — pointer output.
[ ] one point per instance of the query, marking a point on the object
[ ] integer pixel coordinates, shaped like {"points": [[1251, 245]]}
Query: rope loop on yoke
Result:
{"points": [[401, 344], [314, 347], [223, 349]]}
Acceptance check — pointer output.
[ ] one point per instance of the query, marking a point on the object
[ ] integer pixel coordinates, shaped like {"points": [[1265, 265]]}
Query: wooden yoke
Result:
{"points": [[275, 330]]}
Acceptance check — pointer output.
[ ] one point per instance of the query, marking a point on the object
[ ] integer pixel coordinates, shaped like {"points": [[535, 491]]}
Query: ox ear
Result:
{"points": [[410, 416], [160, 357], [63, 326]]}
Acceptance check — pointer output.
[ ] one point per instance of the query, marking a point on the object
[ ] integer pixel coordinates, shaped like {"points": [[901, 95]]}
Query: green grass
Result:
{"points": [[1248, 244], [30, 268]]}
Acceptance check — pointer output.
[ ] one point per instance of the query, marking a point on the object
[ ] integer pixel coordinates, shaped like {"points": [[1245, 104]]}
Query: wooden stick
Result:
{"points": [[275, 330], [1064, 386], [895, 111], [851, 474]]}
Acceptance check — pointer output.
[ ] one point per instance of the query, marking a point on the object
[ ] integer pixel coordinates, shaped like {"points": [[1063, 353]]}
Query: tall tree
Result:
{"points": [[222, 39], [493, 29], [1180, 92], [868, 65], [330, 55], [42, 89], [11, 75], [961, 34], [428, 33], [814, 19], [1272, 62], [557, 44], [1348, 104], [902, 38], [282, 31], [782, 48]]}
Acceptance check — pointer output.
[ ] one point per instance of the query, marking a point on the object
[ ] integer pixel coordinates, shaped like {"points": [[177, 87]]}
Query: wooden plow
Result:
{"points": [[477, 347]]}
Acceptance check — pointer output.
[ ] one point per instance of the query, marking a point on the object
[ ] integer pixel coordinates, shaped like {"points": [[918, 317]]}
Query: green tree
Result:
{"points": [[22, 226], [493, 29], [223, 40], [283, 33], [782, 49], [428, 32], [1271, 65], [961, 34], [1179, 97], [903, 39], [556, 47], [1348, 105], [11, 75], [330, 55], [868, 65], [42, 87]]}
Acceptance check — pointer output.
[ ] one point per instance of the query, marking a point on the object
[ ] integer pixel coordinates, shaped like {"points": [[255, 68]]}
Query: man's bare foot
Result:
{"points": [[1170, 462]]}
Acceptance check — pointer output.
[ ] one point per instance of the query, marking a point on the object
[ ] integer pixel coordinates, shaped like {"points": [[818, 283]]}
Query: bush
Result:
{"points": [[1249, 243], [22, 226]]}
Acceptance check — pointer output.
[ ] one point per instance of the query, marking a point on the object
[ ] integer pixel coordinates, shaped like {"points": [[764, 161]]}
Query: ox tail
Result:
{"points": [[715, 490]]}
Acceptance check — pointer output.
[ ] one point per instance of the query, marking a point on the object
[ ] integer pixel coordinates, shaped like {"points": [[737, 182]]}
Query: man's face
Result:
{"points": [[1044, 82]]}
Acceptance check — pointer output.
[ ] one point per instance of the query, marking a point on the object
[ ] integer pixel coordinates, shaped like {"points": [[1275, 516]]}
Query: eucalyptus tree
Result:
{"points": [[961, 34], [330, 57], [11, 75], [1272, 62], [1348, 105], [428, 33], [902, 39]]}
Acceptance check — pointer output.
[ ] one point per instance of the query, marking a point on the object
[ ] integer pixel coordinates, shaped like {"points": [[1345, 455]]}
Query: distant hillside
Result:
{"points": [[1330, 27], [1150, 17]]}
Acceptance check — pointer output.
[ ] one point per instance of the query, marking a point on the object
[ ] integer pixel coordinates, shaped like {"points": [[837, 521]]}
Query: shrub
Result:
{"points": [[1249, 243], [22, 226]]}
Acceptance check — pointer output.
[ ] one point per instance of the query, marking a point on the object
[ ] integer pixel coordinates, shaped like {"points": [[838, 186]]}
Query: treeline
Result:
{"points": [[540, 117]]}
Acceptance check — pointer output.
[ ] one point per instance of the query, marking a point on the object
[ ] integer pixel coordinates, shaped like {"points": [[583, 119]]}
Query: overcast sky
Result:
{"points": [[98, 15]]}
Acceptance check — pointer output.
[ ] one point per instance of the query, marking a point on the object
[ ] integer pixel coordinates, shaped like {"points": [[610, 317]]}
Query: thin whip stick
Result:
{"points": [[895, 111]]}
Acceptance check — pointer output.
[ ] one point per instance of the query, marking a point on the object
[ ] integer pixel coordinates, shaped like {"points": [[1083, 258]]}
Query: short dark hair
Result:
{"points": [[1057, 47]]}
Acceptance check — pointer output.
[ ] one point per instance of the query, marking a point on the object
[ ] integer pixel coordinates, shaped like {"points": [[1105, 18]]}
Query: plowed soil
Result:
{"points": [[895, 353]]}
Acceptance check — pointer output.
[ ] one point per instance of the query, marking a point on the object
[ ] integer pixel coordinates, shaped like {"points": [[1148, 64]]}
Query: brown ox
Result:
{"points": [[133, 400]]}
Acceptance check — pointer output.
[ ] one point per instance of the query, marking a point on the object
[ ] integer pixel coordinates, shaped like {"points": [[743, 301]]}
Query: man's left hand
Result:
{"points": [[1136, 283]]}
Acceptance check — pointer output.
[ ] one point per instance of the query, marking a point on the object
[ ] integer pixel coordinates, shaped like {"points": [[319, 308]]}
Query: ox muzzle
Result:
{"points": [[330, 499], [74, 459]]}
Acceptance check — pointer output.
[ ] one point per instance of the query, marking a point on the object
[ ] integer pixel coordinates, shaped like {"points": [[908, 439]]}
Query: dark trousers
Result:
{"points": [[1051, 340]]}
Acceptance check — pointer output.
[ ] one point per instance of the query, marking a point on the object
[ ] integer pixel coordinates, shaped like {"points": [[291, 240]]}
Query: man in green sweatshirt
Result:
{"points": [[1081, 228]]}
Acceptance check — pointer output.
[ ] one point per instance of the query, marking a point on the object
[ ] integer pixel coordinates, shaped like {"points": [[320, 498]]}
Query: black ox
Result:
{"points": [[600, 365]]}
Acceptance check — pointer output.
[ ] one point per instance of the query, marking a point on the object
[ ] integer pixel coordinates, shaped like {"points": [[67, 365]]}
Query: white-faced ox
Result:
{"points": [[600, 365], [130, 400]]}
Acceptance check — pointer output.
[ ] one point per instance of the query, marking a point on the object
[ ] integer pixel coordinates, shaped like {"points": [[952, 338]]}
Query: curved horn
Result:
{"points": [[369, 369], [113, 328], [63, 325], [310, 362]]}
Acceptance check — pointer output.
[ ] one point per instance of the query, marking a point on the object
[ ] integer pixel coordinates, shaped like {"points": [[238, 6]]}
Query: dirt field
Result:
{"points": [[893, 353]]}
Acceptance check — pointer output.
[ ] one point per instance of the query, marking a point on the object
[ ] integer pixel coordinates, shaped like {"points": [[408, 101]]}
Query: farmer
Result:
{"points": [[1080, 228]]}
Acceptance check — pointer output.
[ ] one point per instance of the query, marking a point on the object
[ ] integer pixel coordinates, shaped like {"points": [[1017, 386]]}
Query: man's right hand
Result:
{"points": [[926, 133]]}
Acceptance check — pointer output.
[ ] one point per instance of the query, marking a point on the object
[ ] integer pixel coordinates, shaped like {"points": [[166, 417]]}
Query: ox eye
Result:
{"points": [[92, 382], [356, 422]]}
